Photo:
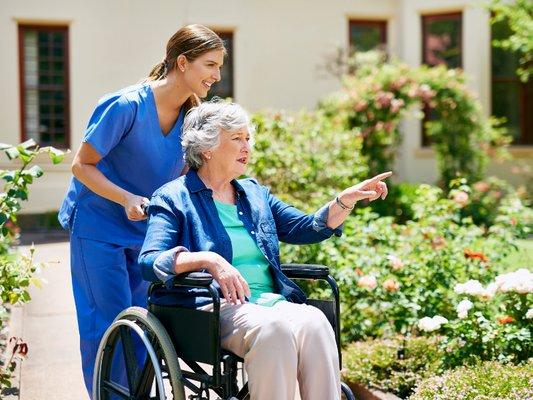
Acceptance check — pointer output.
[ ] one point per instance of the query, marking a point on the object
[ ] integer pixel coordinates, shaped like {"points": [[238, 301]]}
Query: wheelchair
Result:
{"points": [[171, 333]]}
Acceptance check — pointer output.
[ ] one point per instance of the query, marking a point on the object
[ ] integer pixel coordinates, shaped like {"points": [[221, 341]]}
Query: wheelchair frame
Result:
{"points": [[204, 346]]}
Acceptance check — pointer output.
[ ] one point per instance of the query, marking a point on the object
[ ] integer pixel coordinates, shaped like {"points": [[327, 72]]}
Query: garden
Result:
{"points": [[436, 281]]}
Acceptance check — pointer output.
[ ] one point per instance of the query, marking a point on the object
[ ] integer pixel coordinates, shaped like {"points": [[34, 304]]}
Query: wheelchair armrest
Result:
{"points": [[198, 279], [305, 271]]}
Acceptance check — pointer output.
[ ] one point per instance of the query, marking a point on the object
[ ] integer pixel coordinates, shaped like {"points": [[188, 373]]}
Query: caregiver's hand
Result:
{"points": [[133, 207]]}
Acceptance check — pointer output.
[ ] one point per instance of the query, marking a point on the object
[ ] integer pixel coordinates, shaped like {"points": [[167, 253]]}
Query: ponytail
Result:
{"points": [[159, 71]]}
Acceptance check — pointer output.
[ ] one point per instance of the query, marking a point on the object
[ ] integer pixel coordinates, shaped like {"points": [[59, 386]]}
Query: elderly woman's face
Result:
{"points": [[233, 153]]}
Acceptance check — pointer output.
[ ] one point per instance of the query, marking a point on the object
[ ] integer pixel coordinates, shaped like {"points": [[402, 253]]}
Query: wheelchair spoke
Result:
{"points": [[130, 359], [146, 379], [115, 388]]}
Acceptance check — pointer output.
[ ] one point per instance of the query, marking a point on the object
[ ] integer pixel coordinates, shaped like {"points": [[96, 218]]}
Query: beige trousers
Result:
{"points": [[282, 345]]}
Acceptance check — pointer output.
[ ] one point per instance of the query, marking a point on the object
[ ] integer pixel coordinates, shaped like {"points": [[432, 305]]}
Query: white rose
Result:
{"points": [[520, 281], [490, 290], [440, 320], [529, 314], [471, 287], [428, 324], [463, 307]]}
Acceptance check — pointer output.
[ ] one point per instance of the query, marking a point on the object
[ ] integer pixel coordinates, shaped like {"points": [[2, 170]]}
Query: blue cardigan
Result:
{"points": [[183, 217]]}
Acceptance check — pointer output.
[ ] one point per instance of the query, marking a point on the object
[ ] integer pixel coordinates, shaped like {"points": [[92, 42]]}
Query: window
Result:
{"points": [[511, 98], [368, 35], [441, 45], [224, 88], [44, 84]]}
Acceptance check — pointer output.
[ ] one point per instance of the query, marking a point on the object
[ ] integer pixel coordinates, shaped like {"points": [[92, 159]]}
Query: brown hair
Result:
{"points": [[192, 41]]}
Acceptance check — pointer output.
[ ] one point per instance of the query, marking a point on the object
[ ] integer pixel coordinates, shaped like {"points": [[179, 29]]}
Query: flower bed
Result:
{"points": [[487, 381]]}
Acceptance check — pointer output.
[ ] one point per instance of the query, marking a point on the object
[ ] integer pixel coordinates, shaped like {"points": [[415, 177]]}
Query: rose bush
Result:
{"points": [[379, 94], [492, 322], [392, 275]]}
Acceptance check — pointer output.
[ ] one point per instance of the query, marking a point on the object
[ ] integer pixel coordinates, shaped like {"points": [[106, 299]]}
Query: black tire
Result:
{"points": [[346, 392], [161, 363]]}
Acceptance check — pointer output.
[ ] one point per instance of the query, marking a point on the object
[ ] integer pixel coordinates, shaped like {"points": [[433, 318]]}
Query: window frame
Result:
{"points": [[224, 34], [22, 28], [526, 136], [425, 18], [382, 24]]}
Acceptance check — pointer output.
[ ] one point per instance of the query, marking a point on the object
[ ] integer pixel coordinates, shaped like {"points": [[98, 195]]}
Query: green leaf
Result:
{"points": [[12, 153], [27, 144], [18, 194], [56, 155], [36, 171], [9, 176]]}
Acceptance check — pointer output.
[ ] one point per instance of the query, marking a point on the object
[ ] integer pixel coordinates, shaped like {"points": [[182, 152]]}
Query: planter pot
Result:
{"points": [[362, 392]]}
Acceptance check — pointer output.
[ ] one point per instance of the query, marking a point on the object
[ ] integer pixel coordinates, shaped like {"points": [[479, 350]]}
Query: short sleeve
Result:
{"points": [[111, 120]]}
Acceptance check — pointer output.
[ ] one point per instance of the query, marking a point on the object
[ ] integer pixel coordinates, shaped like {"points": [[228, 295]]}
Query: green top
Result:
{"points": [[247, 257]]}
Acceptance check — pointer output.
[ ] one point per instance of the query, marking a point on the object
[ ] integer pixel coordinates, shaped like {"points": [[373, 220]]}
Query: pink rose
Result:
{"points": [[461, 198], [367, 282], [390, 285], [395, 262], [481, 186]]}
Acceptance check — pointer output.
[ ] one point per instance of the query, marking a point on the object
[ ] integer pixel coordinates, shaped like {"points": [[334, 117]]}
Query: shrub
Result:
{"points": [[305, 158], [392, 365], [17, 270], [518, 17], [493, 322], [487, 381], [391, 275], [377, 96]]}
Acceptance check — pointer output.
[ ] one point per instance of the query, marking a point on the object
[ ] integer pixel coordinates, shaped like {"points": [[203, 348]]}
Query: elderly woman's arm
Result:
{"points": [[163, 255], [295, 227]]}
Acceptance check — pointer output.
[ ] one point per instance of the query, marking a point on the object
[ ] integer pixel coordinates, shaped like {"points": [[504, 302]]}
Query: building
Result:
{"points": [[58, 57]]}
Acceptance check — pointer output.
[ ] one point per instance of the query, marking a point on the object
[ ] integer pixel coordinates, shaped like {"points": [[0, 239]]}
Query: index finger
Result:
{"points": [[381, 176]]}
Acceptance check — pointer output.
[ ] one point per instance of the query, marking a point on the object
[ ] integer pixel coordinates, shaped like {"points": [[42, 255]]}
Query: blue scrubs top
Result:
{"points": [[124, 129]]}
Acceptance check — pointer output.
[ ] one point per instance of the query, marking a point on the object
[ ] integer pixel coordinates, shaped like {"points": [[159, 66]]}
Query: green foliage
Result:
{"points": [[17, 270], [492, 323], [390, 275], [398, 202], [487, 381], [305, 157], [392, 365], [518, 14], [377, 96]]}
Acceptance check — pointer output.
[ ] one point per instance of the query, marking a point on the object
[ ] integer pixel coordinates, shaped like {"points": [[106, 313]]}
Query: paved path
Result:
{"points": [[48, 324], [52, 370]]}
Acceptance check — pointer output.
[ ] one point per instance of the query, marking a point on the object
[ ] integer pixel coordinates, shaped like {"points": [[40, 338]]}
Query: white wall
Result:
{"points": [[279, 47]]}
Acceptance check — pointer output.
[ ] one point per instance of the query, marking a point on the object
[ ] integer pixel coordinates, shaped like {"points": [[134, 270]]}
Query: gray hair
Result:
{"points": [[202, 125]]}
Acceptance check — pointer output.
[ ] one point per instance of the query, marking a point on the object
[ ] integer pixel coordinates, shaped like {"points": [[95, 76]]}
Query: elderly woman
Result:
{"points": [[209, 220]]}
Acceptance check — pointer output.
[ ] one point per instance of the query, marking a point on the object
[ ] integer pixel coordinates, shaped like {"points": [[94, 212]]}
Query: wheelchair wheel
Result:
{"points": [[347, 393], [137, 348]]}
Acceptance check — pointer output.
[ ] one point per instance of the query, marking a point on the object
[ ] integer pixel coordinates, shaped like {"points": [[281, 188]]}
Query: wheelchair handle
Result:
{"points": [[145, 208]]}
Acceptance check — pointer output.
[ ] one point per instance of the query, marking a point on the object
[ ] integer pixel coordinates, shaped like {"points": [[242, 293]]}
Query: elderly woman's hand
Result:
{"points": [[234, 287], [370, 189]]}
